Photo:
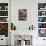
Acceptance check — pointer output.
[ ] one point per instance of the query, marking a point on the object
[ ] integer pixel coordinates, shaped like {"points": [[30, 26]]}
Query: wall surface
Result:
{"points": [[32, 14]]}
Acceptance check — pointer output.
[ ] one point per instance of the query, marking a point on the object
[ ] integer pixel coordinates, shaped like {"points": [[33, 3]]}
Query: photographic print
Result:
{"points": [[42, 32], [41, 13], [41, 6], [3, 19], [22, 14], [4, 29], [3, 13], [3, 6], [41, 25], [41, 19]]}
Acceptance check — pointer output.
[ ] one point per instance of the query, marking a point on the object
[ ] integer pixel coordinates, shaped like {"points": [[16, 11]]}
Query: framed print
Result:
{"points": [[22, 14], [42, 32], [4, 29]]}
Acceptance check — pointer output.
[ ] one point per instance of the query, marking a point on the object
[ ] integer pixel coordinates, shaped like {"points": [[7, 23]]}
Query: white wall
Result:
{"points": [[31, 7], [32, 14]]}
